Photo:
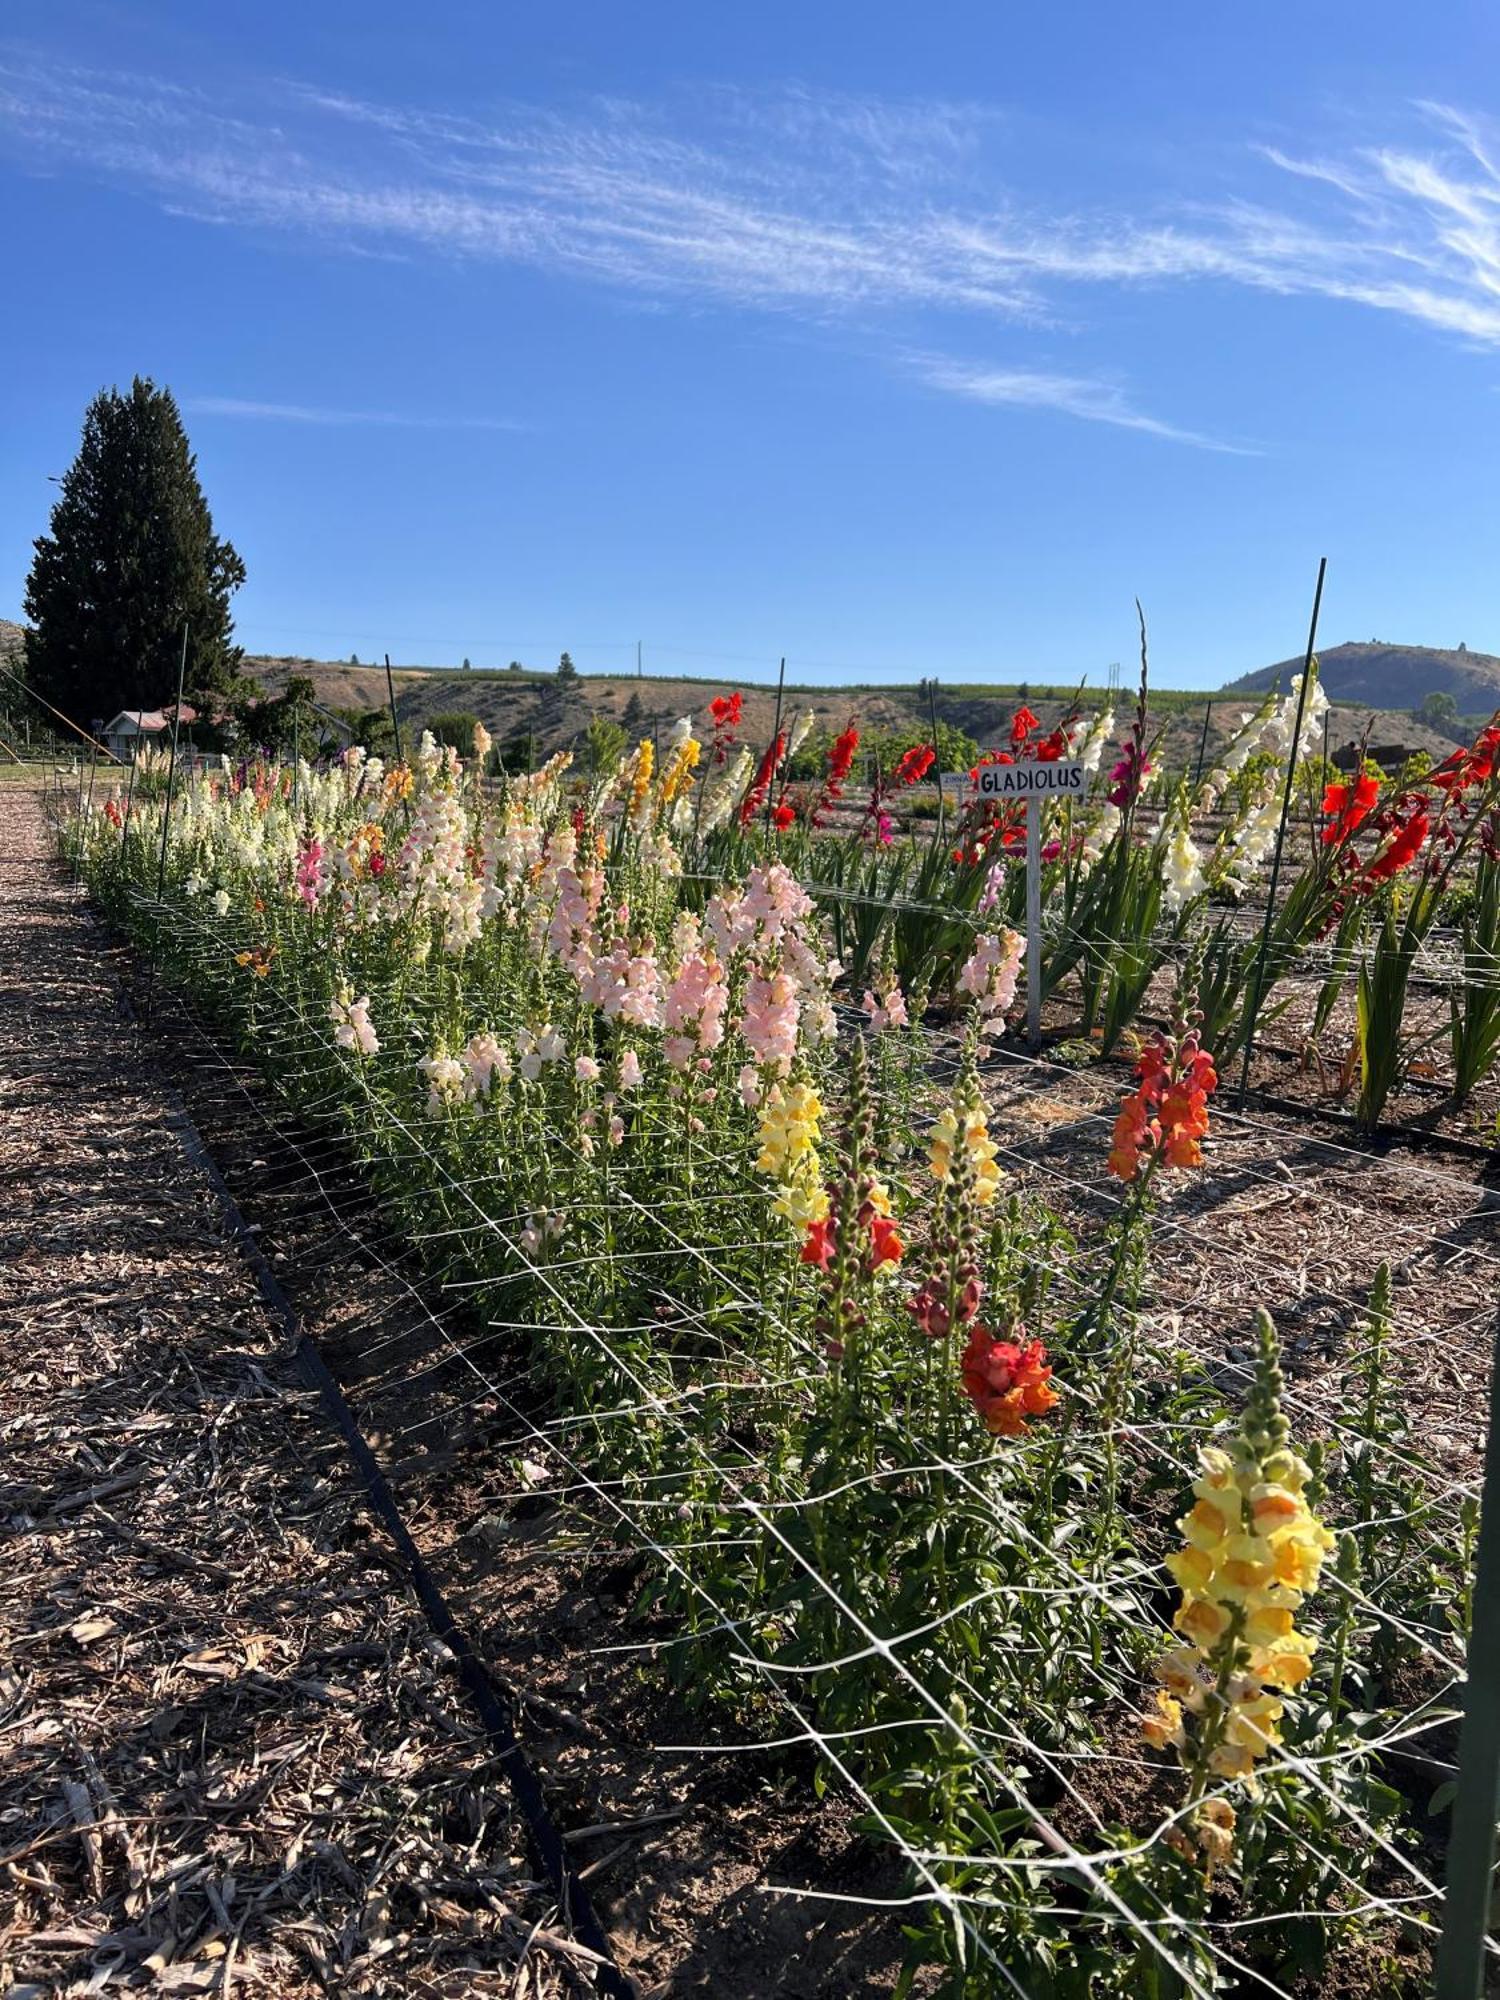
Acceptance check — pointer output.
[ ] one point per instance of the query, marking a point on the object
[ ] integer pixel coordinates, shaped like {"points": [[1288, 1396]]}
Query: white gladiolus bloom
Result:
{"points": [[1092, 753], [800, 728], [1182, 870]]}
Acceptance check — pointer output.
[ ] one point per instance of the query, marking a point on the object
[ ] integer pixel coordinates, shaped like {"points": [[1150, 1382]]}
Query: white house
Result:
{"points": [[134, 727]]}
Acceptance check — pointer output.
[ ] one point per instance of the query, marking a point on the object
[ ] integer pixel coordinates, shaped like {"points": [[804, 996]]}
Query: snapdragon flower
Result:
{"points": [[1253, 1551], [352, 1026], [989, 976]]}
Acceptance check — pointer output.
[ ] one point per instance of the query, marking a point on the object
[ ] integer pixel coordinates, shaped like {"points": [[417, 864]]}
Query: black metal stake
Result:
{"points": [[390, 688], [937, 759], [775, 739], [1286, 807], [1471, 1838], [166, 822], [1203, 746]]}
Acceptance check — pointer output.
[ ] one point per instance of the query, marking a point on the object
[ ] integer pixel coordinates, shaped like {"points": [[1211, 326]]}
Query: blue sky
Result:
{"points": [[893, 339]]}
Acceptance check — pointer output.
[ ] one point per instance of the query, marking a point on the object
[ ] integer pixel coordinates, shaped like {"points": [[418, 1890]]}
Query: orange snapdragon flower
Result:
{"points": [[1163, 1120], [1007, 1381]]}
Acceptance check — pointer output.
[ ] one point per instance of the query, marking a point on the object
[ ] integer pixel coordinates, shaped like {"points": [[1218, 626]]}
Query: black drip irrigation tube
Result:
{"points": [[493, 1705]]}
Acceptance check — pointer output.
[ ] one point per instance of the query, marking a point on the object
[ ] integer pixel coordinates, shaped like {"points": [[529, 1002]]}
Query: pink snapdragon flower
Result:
{"points": [[889, 1011], [989, 975], [769, 1023], [693, 1013], [312, 874]]}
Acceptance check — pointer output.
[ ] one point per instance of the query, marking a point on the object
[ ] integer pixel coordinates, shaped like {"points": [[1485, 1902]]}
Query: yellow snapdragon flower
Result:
{"points": [[981, 1149], [1252, 1550]]}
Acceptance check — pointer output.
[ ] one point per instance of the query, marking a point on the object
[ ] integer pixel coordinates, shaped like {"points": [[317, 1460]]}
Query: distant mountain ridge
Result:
{"points": [[1392, 676]]}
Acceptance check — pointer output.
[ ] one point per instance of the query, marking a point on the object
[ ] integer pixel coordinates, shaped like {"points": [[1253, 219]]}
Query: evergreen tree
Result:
{"points": [[132, 556], [566, 671], [635, 713]]}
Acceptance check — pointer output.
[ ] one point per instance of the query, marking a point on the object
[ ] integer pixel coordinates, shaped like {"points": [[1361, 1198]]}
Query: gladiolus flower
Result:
{"points": [[1347, 807], [841, 756], [1403, 849], [783, 816], [914, 765]]}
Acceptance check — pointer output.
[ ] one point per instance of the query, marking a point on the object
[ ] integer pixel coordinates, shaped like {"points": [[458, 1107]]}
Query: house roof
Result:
{"points": [[147, 721]]}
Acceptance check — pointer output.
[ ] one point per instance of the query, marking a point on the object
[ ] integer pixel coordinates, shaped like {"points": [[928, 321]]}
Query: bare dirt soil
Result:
{"points": [[234, 1757]]}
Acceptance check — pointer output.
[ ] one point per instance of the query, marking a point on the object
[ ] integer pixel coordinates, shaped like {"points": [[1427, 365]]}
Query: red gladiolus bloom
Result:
{"points": [[755, 798], [113, 814], [915, 764], [1007, 1381], [783, 817], [1347, 806], [725, 710], [1403, 849], [1021, 725], [1475, 766], [1052, 747], [841, 756]]}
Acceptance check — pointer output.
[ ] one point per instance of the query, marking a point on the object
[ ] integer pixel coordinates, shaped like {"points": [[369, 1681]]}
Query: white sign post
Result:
{"points": [[1034, 781]]}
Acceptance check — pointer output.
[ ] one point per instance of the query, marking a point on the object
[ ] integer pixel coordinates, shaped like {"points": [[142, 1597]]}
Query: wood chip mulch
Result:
{"points": [[233, 1758]]}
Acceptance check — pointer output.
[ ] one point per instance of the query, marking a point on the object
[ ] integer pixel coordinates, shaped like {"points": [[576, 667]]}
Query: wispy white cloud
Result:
{"points": [[1096, 402], [302, 413], [827, 208]]}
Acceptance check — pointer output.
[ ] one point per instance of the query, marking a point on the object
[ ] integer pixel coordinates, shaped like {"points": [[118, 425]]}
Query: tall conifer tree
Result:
{"points": [[131, 558]]}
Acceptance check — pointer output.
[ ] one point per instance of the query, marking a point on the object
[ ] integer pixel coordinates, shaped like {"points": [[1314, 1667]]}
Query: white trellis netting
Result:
{"points": [[697, 1417]]}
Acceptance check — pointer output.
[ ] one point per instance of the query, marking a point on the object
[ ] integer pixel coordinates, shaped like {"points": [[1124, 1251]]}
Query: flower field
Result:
{"points": [[1048, 1439]]}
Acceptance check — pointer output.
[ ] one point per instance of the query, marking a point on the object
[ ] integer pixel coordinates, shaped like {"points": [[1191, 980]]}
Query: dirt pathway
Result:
{"points": [[232, 1758]]}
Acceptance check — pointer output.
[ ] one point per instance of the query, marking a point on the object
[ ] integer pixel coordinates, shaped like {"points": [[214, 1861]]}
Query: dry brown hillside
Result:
{"points": [[1395, 677], [556, 714]]}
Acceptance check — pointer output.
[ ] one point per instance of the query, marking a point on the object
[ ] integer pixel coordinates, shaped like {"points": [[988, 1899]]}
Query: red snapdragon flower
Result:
{"points": [[817, 1247], [886, 1245]]}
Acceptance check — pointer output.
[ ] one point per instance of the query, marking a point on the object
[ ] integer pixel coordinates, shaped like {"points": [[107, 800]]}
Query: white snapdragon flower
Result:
{"points": [[445, 1082]]}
